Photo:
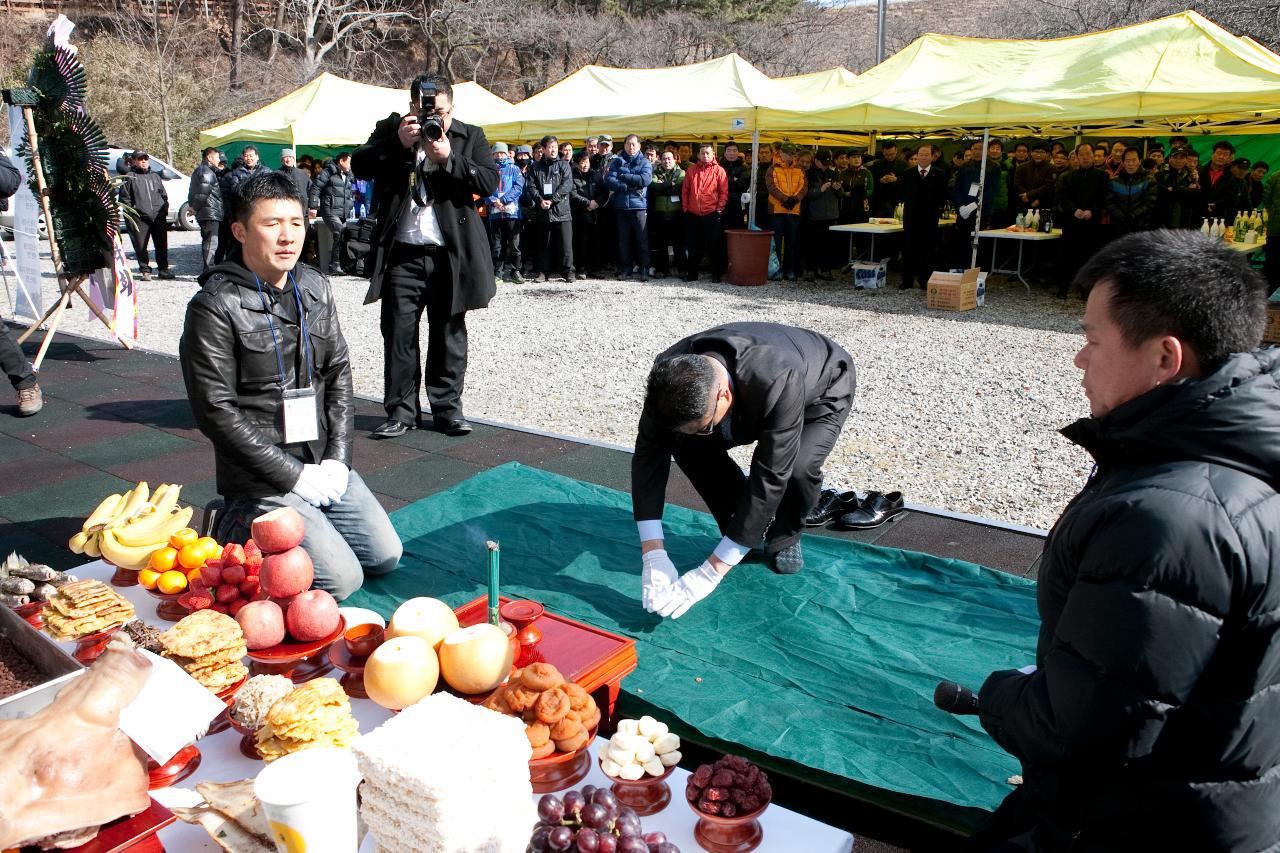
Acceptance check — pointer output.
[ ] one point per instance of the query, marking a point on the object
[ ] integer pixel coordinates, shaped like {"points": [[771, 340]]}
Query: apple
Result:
{"points": [[428, 618], [262, 623], [313, 615], [477, 658], [400, 672], [287, 573], [232, 555], [279, 530], [233, 574]]}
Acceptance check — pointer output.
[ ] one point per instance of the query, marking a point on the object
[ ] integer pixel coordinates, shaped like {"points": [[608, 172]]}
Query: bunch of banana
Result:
{"points": [[126, 529]]}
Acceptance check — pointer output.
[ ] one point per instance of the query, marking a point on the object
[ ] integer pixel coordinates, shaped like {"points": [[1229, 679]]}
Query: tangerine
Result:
{"points": [[193, 576], [182, 538], [172, 581], [192, 556], [147, 578], [163, 559], [210, 545]]}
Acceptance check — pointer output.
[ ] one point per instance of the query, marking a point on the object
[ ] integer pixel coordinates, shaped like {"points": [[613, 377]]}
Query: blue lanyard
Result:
{"points": [[302, 328]]}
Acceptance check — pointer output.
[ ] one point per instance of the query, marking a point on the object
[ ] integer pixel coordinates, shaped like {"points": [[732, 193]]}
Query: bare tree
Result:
{"points": [[318, 27]]}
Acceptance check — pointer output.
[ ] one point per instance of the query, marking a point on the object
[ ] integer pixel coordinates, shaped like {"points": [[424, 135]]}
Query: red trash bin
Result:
{"points": [[748, 256]]}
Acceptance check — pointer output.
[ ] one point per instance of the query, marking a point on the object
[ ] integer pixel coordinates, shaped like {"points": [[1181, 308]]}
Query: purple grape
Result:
{"points": [[627, 824], [595, 816], [655, 837], [588, 840], [605, 797], [560, 838], [668, 847], [608, 843], [573, 802], [551, 809], [587, 791], [632, 844], [538, 842]]}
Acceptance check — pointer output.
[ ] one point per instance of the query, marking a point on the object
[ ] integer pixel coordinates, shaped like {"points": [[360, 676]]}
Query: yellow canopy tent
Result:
{"points": [[1178, 74], [806, 86], [330, 112], [715, 99]]}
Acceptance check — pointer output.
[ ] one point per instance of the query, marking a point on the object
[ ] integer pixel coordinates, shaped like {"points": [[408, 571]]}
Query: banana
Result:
{"points": [[136, 499], [92, 546], [167, 498], [132, 557], [77, 542], [153, 530], [104, 512]]}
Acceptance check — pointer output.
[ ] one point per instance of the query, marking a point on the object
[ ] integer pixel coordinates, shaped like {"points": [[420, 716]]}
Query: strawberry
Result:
{"points": [[196, 599], [249, 588], [220, 607], [211, 574], [233, 555], [234, 607], [233, 574], [227, 593]]}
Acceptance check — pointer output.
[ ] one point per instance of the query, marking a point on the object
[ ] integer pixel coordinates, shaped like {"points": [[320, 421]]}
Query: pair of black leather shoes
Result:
{"points": [[832, 503], [392, 428], [872, 511]]}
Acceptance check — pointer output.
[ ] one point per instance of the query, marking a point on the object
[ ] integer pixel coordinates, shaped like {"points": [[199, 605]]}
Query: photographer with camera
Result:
{"points": [[429, 250]]}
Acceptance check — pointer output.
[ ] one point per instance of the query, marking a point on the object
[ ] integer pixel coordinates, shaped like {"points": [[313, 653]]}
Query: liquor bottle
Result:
{"points": [[1204, 228]]}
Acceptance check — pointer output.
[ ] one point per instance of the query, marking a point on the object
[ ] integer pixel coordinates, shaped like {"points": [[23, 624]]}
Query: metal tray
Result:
{"points": [[54, 664]]}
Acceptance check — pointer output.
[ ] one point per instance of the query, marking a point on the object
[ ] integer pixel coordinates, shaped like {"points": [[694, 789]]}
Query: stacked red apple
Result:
{"points": [[226, 584], [285, 604]]}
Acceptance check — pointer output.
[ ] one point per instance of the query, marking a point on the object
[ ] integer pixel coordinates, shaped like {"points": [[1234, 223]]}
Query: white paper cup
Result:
{"points": [[309, 799]]}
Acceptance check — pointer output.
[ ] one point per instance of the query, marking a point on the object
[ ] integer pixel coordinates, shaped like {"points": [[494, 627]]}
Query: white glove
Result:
{"points": [[693, 586], [967, 210], [337, 474], [314, 486], [657, 579]]}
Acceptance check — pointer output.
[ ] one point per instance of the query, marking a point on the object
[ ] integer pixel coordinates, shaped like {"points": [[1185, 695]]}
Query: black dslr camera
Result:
{"points": [[432, 128]]}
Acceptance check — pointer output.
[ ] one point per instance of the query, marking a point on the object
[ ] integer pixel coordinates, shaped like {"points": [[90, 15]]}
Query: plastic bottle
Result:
{"points": [[1033, 220], [1021, 222], [1204, 227]]}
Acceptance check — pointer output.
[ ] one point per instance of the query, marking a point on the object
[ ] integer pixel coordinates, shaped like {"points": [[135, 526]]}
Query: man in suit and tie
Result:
{"points": [[430, 251], [924, 192], [786, 389]]}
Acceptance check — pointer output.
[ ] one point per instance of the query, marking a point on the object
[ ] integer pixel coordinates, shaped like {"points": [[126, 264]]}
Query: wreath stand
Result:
{"points": [[68, 286]]}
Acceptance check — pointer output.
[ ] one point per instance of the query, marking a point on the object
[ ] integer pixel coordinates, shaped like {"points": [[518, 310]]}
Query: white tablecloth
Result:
{"points": [[785, 831]]}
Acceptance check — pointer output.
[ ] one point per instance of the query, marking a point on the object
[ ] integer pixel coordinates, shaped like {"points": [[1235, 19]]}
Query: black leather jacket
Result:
{"points": [[234, 385], [205, 195]]}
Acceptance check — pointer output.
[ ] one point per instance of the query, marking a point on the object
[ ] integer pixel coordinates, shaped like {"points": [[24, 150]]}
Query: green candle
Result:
{"points": [[493, 581]]}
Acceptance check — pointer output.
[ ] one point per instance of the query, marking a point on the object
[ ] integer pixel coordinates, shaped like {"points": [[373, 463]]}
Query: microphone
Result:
{"points": [[955, 698]]}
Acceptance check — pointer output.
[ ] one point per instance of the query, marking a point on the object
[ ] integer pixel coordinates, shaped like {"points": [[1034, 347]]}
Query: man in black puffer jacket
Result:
{"points": [[269, 380], [205, 198], [1152, 718], [332, 200]]}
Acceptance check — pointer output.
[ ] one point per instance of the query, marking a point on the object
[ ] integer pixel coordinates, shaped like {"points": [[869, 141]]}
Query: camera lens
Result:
{"points": [[432, 129]]}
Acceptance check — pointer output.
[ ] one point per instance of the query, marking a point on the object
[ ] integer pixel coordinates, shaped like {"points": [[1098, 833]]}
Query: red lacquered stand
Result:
{"points": [[352, 680], [135, 834], [124, 577], [647, 795], [591, 657], [295, 660], [737, 834], [174, 770]]}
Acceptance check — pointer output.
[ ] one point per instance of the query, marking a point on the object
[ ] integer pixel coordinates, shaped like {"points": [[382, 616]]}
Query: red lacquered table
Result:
{"points": [[593, 658]]}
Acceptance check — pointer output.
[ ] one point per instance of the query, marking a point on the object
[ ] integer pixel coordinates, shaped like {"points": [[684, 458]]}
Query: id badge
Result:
{"points": [[300, 421], [674, 199], [973, 190], [546, 188]]}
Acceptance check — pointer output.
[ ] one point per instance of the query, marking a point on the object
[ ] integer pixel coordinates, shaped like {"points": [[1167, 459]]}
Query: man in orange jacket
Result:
{"points": [[703, 197], [787, 186]]}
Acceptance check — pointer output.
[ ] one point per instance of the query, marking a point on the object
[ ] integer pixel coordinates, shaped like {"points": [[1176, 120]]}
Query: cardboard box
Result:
{"points": [[867, 276], [1272, 333], [954, 291]]}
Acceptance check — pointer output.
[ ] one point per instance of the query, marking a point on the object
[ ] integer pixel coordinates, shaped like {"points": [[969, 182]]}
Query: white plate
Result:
{"points": [[361, 616]]}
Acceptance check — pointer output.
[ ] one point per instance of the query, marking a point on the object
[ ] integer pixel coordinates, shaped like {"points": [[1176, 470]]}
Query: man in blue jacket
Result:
{"points": [[628, 176], [504, 215], [965, 195]]}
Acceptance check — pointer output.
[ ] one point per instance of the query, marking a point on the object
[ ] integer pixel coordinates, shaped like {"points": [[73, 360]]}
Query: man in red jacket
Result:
{"points": [[703, 197]]}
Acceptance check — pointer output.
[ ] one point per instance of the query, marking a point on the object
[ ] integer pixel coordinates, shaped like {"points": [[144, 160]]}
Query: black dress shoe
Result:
{"points": [[832, 503], [391, 428], [788, 561], [452, 426], [875, 510]]}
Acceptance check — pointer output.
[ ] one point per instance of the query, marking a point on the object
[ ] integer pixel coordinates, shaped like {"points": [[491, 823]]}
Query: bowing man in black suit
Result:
{"points": [[430, 251], [787, 389], [924, 192]]}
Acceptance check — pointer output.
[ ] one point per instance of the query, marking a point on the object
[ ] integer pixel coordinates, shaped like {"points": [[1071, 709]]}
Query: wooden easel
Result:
{"points": [[67, 285]]}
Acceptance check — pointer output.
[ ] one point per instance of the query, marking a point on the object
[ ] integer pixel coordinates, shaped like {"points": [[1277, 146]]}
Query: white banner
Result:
{"points": [[29, 303]]}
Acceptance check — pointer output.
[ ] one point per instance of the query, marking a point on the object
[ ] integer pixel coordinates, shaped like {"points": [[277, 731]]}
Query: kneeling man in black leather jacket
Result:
{"points": [[276, 403]]}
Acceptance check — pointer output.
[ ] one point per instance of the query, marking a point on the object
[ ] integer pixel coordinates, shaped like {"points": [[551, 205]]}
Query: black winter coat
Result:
{"points": [[586, 189], [469, 172], [301, 182], [556, 175], [231, 181], [1153, 719], [1080, 189], [205, 195], [331, 193], [10, 180], [145, 193], [233, 378]]}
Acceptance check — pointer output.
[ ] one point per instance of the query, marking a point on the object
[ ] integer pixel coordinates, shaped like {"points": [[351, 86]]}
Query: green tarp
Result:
{"points": [[832, 669]]}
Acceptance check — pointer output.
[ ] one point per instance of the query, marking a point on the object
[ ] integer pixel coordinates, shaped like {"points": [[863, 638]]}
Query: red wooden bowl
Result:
{"points": [[89, 648], [737, 834], [174, 770], [561, 770], [248, 739], [168, 609], [299, 661], [361, 640], [648, 795], [228, 696], [32, 612]]}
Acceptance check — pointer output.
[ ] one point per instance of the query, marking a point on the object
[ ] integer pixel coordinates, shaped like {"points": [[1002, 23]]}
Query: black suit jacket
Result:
{"points": [[922, 200], [469, 173], [782, 378]]}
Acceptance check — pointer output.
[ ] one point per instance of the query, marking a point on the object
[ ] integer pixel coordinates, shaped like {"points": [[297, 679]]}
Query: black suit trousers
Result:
{"points": [[721, 483], [154, 229], [919, 252], [417, 280]]}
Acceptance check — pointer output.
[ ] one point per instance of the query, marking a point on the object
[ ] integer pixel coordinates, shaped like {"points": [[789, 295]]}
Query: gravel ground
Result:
{"points": [[957, 410]]}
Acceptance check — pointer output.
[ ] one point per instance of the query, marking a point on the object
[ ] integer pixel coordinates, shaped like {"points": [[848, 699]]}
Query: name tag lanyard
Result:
{"points": [[299, 404]]}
